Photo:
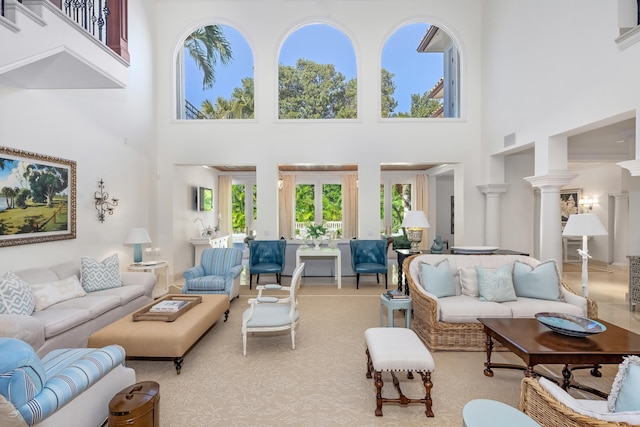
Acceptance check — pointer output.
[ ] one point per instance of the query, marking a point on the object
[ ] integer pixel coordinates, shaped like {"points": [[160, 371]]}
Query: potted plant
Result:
{"points": [[316, 232]]}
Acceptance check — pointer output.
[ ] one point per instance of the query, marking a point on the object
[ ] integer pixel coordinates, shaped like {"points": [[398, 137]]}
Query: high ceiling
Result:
{"points": [[326, 168]]}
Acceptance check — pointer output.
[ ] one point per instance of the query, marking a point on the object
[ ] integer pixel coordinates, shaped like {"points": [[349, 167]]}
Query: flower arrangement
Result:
{"points": [[316, 231], [204, 230]]}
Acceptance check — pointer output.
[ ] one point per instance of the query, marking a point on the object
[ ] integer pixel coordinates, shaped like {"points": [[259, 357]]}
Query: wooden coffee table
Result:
{"points": [[536, 344]]}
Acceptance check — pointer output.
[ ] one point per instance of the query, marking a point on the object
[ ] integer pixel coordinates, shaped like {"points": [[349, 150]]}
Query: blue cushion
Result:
{"points": [[496, 286], [624, 394], [541, 282], [438, 279], [22, 374]]}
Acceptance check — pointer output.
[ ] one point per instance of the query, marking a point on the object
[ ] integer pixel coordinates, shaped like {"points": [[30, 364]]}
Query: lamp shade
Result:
{"points": [[415, 219], [586, 224], [137, 236]]}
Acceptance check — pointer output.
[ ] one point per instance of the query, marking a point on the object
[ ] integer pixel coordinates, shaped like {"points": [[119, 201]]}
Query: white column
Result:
{"points": [[493, 213], [550, 221], [620, 228]]}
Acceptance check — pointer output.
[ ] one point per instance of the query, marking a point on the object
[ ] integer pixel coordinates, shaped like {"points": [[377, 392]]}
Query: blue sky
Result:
{"points": [[413, 72]]}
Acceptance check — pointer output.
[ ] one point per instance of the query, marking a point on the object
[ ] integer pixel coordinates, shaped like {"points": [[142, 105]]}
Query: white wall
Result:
{"points": [[366, 141], [517, 203], [599, 181], [109, 133], [444, 191]]}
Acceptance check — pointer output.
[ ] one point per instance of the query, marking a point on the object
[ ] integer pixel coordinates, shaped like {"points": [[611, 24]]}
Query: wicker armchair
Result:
{"points": [[439, 335], [542, 407]]}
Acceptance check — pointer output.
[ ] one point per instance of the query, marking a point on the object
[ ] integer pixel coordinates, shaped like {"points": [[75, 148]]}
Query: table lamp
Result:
{"points": [[584, 225], [137, 237], [414, 222]]}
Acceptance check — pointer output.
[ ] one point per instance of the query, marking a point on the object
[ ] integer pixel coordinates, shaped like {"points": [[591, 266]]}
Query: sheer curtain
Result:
{"points": [[420, 202], [285, 206], [349, 206], [224, 204]]}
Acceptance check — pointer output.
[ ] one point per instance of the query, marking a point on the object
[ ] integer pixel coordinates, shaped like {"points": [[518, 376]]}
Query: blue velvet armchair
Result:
{"points": [[218, 273], [369, 257], [266, 257]]}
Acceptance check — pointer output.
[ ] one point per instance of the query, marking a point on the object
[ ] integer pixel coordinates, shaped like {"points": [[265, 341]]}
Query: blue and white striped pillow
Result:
{"points": [[96, 276]]}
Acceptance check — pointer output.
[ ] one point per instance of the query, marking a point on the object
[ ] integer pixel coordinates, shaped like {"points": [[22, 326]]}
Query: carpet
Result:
{"points": [[322, 382]]}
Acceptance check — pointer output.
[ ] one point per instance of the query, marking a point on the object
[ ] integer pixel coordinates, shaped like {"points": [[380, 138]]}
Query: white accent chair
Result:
{"points": [[271, 314]]}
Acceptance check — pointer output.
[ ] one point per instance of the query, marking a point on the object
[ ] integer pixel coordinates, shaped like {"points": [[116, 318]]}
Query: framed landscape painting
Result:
{"points": [[37, 198]]}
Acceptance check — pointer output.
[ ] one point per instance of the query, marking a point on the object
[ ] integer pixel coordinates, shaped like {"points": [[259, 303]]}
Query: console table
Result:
{"points": [[323, 252], [202, 243]]}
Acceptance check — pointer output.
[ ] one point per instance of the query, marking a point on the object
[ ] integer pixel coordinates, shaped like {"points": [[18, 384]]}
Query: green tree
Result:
{"points": [[422, 106], [10, 196], [239, 106], [331, 202], [238, 207], [207, 46], [314, 91], [388, 88], [45, 182], [305, 206]]}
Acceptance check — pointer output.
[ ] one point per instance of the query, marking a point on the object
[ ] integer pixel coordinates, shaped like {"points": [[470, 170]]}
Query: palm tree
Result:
{"points": [[206, 46]]}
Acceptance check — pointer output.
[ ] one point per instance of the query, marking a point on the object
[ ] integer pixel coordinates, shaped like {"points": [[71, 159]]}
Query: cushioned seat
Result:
{"points": [[218, 273], [369, 257], [266, 257]]}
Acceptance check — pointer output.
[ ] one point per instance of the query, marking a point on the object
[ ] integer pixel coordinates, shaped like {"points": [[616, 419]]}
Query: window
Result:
{"points": [[317, 75], [241, 207], [320, 202], [216, 69], [420, 74], [395, 200]]}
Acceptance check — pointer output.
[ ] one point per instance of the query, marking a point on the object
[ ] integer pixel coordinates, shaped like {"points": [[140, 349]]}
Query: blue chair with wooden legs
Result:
{"points": [[266, 257], [369, 257]]}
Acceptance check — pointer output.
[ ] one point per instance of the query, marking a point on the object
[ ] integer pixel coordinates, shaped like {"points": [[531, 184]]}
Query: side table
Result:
{"points": [[392, 304], [152, 266], [402, 254]]}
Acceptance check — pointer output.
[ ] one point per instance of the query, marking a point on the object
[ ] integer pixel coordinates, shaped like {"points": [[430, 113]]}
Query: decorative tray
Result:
{"points": [[567, 324], [474, 250], [145, 314]]}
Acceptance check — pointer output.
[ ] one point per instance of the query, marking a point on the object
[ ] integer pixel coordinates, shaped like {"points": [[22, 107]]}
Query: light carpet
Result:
{"points": [[322, 382]]}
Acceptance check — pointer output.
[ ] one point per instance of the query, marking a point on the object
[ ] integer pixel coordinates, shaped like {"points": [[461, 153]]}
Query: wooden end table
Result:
{"points": [[536, 344]]}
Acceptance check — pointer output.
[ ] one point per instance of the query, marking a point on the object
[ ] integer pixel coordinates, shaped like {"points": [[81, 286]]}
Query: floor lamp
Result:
{"points": [[584, 225]]}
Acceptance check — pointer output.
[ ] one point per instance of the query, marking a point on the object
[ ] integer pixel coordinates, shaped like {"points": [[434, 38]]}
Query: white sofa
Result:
{"points": [[69, 323], [450, 323]]}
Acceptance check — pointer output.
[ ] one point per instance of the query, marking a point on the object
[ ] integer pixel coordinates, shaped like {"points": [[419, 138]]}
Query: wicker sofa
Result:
{"points": [[468, 335], [546, 410]]}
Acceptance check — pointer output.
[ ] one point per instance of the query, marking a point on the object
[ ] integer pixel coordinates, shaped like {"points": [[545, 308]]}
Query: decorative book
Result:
{"points": [[164, 309], [169, 306], [395, 294]]}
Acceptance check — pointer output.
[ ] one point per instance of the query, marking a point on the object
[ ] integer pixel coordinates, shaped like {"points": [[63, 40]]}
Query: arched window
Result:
{"points": [[215, 69], [317, 75], [420, 73]]}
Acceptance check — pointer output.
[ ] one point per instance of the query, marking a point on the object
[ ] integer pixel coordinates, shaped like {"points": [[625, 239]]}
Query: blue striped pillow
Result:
{"points": [[22, 374]]}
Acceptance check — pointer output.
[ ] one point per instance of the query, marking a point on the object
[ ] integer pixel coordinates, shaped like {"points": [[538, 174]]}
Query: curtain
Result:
{"points": [[224, 205], [286, 205], [420, 202], [349, 206]]}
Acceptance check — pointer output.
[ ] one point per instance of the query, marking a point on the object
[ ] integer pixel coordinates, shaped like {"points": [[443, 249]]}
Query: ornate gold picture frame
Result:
{"points": [[37, 198]]}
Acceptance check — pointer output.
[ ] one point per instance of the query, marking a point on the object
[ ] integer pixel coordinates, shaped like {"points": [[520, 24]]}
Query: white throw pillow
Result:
{"points": [[51, 293], [97, 276], [468, 281], [15, 295]]}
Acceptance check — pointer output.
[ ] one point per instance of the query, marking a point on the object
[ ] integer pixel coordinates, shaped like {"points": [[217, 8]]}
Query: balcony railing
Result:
{"points": [[106, 20]]}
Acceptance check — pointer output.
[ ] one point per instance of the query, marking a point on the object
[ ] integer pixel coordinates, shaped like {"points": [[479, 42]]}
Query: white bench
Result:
{"points": [[398, 349]]}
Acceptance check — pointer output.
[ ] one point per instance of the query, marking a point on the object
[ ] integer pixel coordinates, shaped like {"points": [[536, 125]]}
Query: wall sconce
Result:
{"points": [[280, 183], [103, 204], [588, 202]]}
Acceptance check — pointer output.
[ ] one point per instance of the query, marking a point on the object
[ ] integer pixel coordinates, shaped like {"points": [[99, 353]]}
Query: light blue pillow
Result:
{"points": [[438, 279], [497, 285], [541, 282], [624, 394], [22, 374], [96, 275]]}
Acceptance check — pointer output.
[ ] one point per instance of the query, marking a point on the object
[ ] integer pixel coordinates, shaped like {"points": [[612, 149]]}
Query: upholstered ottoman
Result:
{"points": [[398, 349], [150, 339]]}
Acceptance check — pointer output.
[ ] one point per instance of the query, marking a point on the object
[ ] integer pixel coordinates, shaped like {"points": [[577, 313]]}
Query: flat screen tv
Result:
{"points": [[205, 199]]}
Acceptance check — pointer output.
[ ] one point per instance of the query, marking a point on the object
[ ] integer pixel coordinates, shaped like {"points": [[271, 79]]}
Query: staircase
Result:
{"points": [[43, 48]]}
